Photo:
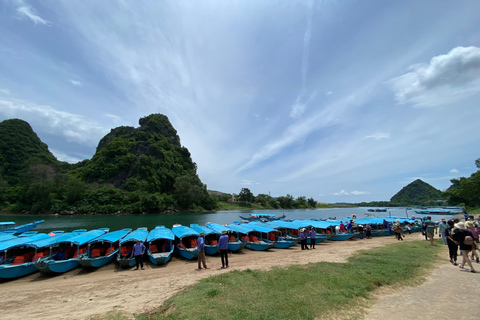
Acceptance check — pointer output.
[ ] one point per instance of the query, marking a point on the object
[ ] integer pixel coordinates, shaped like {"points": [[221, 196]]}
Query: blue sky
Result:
{"points": [[335, 100]]}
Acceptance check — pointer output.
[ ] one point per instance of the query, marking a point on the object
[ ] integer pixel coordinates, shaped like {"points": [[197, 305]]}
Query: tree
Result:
{"points": [[312, 203], [246, 195], [286, 201]]}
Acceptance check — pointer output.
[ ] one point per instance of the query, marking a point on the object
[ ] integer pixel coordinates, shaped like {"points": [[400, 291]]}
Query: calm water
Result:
{"points": [[115, 222]]}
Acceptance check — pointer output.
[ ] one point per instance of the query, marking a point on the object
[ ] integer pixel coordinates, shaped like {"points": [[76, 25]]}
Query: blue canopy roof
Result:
{"points": [[204, 229], [112, 236], [297, 224], [241, 228], [183, 231], [139, 234], [262, 215], [52, 240], [261, 227], [160, 232], [85, 237], [5, 245], [218, 227], [7, 236], [6, 224]]}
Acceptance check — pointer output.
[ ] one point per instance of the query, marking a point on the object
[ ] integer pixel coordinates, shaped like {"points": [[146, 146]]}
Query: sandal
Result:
{"points": [[461, 267], [473, 271]]}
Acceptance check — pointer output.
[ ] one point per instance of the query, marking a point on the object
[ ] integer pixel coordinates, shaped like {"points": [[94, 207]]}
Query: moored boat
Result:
{"points": [[72, 249], [211, 238], [103, 249], [160, 245], [10, 227], [186, 241], [234, 244], [250, 237], [270, 233], [124, 255], [263, 217]]}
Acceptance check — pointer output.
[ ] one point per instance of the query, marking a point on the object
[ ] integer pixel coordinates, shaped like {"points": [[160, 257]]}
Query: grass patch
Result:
{"points": [[313, 291]]}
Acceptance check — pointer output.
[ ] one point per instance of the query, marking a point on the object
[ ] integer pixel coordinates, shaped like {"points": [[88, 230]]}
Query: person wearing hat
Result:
{"points": [[460, 236], [430, 229], [474, 231], [201, 251], [360, 230], [441, 230], [223, 247], [138, 251]]}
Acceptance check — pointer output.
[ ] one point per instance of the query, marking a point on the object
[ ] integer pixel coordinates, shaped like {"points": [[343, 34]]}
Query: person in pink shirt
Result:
{"points": [[471, 227]]}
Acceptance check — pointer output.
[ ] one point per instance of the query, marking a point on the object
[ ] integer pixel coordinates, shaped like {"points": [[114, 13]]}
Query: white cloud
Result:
{"points": [[446, 79], [378, 136], [297, 110], [329, 93], [64, 157], [249, 182], [75, 82], [74, 127], [454, 171], [29, 12], [353, 193]]}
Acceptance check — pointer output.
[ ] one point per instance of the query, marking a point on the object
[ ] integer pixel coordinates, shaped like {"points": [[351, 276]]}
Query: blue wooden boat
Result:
{"points": [[160, 245], [211, 238], [103, 249], [7, 236], [271, 234], [344, 236], [251, 237], [186, 241], [15, 252], [234, 244], [74, 248], [377, 210], [9, 227], [325, 230], [263, 217], [124, 257], [32, 251]]}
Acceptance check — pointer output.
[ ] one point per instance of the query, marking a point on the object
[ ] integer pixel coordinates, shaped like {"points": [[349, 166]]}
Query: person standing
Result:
{"points": [[441, 229], [303, 239], [430, 229], [474, 231], [452, 246], [360, 230], [223, 247], [398, 231], [460, 236], [138, 252], [201, 251], [313, 238], [368, 231]]}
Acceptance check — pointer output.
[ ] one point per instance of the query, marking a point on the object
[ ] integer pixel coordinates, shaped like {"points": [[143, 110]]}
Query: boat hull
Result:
{"points": [[236, 246], [211, 250], [126, 263], [160, 258], [53, 266], [187, 253], [259, 246], [97, 262], [286, 243], [343, 236], [11, 271]]}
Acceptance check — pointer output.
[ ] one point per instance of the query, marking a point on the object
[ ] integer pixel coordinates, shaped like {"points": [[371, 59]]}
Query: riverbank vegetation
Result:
{"points": [[315, 290]]}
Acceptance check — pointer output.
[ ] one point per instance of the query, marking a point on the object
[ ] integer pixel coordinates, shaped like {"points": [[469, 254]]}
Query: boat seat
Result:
{"points": [[96, 253], [37, 256], [29, 256], [153, 248], [109, 251], [18, 260], [232, 239]]}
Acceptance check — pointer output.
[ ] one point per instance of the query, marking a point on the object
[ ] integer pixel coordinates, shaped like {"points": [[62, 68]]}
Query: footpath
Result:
{"points": [[448, 293]]}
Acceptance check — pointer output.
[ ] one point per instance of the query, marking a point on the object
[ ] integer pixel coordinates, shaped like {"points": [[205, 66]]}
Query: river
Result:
{"points": [[116, 222]]}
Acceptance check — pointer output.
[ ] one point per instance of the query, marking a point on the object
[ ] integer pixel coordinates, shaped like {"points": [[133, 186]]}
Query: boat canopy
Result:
{"points": [[262, 228], [204, 229], [183, 231], [241, 228], [218, 227], [139, 234], [7, 236], [322, 224], [86, 237], [160, 232], [113, 236], [262, 215], [52, 240], [5, 245], [6, 224]]}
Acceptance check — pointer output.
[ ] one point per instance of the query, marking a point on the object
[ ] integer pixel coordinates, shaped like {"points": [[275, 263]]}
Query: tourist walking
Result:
{"points": [[360, 230], [398, 231], [138, 252], [223, 247], [201, 251], [313, 238], [441, 229], [430, 229], [474, 231], [452, 246], [368, 231], [464, 239], [409, 229]]}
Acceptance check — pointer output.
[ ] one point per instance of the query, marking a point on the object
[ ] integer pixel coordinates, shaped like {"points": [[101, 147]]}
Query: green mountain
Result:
{"points": [[134, 170], [20, 150], [417, 193]]}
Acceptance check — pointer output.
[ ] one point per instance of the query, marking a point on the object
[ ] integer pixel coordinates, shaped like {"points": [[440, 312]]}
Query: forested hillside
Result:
{"points": [[417, 193]]}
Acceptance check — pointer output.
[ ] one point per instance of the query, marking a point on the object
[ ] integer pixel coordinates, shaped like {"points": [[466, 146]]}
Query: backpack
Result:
{"points": [[468, 241]]}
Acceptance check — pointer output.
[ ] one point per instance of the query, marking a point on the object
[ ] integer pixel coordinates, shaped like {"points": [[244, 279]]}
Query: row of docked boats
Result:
{"points": [[59, 252]]}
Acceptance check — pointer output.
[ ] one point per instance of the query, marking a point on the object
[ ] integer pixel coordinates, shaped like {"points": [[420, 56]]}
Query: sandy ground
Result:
{"points": [[80, 293]]}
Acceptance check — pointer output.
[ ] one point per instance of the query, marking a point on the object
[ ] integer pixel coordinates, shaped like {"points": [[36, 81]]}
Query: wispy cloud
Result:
{"points": [[352, 193], [446, 79], [73, 127], [249, 182], [25, 10], [454, 171], [75, 82], [61, 156], [378, 136]]}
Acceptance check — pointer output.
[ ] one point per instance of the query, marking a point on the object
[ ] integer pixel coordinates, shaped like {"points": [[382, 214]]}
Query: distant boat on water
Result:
{"points": [[263, 217], [377, 210]]}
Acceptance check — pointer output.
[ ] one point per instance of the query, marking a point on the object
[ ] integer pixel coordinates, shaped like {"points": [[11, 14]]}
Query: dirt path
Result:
{"points": [[448, 293], [80, 294]]}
